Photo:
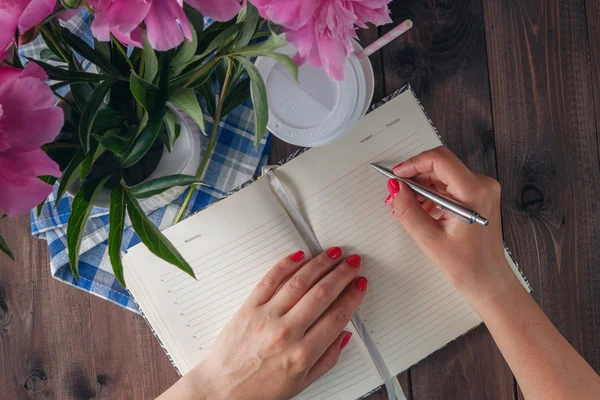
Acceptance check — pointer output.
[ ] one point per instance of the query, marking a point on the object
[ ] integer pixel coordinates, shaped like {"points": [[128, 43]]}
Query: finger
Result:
{"points": [[304, 279], [338, 315], [327, 360], [440, 163], [319, 298], [268, 285], [421, 226]]}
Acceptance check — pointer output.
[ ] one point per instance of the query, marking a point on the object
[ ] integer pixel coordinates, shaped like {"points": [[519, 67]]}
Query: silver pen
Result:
{"points": [[448, 206]]}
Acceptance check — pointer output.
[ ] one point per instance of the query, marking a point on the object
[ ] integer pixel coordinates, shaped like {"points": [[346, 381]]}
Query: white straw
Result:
{"points": [[385, 39]]}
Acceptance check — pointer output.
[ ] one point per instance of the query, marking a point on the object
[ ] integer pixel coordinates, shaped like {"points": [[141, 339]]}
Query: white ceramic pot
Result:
{"points": [[184, 159]]}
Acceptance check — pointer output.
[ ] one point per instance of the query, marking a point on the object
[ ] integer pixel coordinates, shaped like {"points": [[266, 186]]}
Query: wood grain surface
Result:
{"points": [[514, 88]]}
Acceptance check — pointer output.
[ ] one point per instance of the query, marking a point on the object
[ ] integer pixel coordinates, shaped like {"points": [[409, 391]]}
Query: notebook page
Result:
{"points": [[410, 309], [230, 246]]}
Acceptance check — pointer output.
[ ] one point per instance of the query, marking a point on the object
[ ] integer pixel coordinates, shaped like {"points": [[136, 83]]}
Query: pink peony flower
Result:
{"points": [[293, 14], [324, 41], [24, 15], [28, 119], [166, 23]]}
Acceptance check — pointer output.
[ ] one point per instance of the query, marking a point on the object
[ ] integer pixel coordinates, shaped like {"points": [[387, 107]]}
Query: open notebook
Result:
{"points": [[410, 309]]}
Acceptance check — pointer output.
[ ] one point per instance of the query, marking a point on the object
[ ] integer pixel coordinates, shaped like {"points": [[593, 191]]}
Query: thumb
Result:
{"points": [[421, 226]]}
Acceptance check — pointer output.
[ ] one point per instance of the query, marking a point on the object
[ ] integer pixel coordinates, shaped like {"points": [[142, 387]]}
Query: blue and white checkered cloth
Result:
{"points": [[234, 162]]}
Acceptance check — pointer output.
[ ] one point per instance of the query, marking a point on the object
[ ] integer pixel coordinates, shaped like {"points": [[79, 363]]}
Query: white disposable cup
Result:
{"points": [[316, 111]]}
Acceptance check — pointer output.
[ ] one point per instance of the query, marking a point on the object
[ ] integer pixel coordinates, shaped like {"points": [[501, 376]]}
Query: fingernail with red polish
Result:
{"points": [[334, 253], [297, 256], [345, 340], [398, 166], [354, 260], [388, 199], [361, 283], [393, 187]]}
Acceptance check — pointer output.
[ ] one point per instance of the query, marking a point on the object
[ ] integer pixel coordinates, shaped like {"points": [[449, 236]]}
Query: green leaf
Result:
{"points": [[112, 141], [222, 39], [207, 90], [149, 134], [87, 52], [156, 186], [150, 61], [210, 33], [116, 222], [144, 92], [70, 174], [156, 242], [250, 25], [102, 48], [285, 60], [107, 119], [259, 100], [236, 96], [163, 135], [171, 130], [5, 249], [186, 99], [221, 70], [90, 111], [50, 180], [273, 43], [80, 213], [96, 150], [195, 18], [81, 94], [145, 141], [184, 55], [59, 74]]}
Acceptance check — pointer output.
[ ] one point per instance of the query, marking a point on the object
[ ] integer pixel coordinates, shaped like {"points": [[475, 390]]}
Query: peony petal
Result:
{"points": [[20, 189], [35, 12], [29, 118], [10, 11], [333, 54], [377, 16], [291, 14], [117, 15], [163, 25], [219, 10], [32, 70], [7, 73], [133, 38]]}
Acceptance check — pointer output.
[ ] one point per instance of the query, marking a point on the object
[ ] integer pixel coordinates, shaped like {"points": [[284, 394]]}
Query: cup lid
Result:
{"points": [[315, 110]]}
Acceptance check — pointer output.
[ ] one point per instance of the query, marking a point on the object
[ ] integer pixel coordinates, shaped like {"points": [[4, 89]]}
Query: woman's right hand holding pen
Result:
{"points": [[472, 258]]}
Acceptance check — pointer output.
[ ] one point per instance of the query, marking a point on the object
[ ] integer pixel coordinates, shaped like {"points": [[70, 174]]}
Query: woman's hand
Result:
{"points": [[288, 333], [471, 256]]}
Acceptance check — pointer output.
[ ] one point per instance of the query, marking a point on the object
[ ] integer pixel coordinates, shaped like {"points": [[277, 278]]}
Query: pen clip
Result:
{"points": [[455, 215]]}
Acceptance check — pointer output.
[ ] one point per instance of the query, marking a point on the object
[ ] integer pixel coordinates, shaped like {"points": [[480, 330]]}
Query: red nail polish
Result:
{"points": [[354, 260], [398, 166], [334, 253], [297, 256], [345, 340], [388, 199], [393, 187], [361, 283]]}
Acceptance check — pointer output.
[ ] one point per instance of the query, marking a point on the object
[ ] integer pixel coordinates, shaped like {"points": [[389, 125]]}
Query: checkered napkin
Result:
{"points": [[234, 162]]}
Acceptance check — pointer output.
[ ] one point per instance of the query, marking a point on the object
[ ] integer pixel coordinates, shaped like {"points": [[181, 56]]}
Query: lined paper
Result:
{"points": [[410, 309], [229, 248]]}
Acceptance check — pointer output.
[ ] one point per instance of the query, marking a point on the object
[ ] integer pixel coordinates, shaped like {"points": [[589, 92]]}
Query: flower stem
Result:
{"points": [[122, 51], [211, 143]]}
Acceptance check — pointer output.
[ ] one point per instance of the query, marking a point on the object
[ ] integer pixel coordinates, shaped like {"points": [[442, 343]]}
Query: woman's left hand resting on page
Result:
{"points": [[287, 334]]}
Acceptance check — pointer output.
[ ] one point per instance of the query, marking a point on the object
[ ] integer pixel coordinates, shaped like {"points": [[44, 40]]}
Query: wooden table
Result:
{"points": [[514, 88]]}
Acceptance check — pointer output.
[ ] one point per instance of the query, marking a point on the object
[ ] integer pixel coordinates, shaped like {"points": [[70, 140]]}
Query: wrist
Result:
{"points": [[481, 284]]}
